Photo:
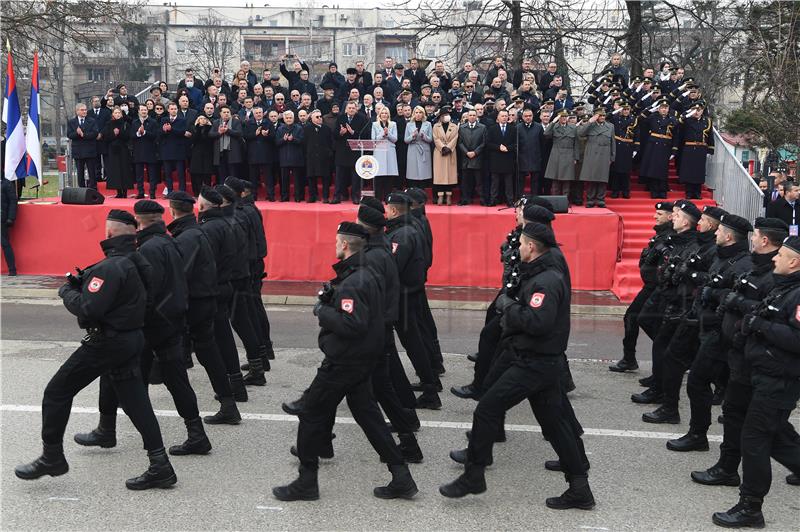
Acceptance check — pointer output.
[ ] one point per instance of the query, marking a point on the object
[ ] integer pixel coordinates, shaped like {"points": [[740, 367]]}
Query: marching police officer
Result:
{"points": [[201, 275], [535, 335], [351, 318], [110, 301], [649, 261], [773, 351]]}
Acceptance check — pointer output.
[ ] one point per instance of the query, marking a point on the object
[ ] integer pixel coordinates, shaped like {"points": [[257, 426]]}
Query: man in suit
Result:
{"points": [[350, 125], [125, 98], [471, 143], [82, 130], [394, 83], [101, 114], [172, 143], [260, 138], [416, 75], [787, 208], [144, 134], [501, 142]]}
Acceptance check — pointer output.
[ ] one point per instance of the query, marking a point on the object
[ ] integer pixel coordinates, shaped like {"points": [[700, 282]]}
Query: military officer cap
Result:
{"points": [[399, 198], [699, 105], [625, 105], [647, 80], [563, 112], [775, 224], [793, 243], [663, 102], [735, 222], [673, 69], [689, 208], [540, 233], [370, 216], [226, 192], [637, 79], [406, 91], [118, 215], [549, 101], [119, 87], [352, 229], [425, 85], [600, 111], [517, 98], [373, 202], [714, 212], [235, 183], [179, 195], [147, 207], [537, 213], [417, 195], [664, 206], [211, 195], [488, 101]]}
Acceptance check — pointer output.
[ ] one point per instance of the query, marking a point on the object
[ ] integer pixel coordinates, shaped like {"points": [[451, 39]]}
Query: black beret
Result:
{"points": [[735, 222], [211, 195], [417, 194], [537, 213], [689, 208], [246, 184], [664, 206], [771, 223], [540, 233], [146, 206], [373, 202], [398, 198], [235, 184], [370, 216], [328, 85], [179, 195], [714, 212], [793, 243], [227, 193], [352, 229], [118, 215]]}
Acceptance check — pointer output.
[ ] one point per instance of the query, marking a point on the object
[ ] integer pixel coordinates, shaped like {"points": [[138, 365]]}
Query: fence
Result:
{"points": [[734, 189]]}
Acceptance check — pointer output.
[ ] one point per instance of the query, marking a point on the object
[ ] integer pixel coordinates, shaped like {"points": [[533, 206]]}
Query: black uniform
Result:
{"points": [[626, 136], [695, 141], [660, 146], [427, 323], [257, 274]]}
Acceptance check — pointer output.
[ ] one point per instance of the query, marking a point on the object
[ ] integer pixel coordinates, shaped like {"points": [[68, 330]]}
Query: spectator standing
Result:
{"points": [[384, 129], [418, 137], [445, 159]]}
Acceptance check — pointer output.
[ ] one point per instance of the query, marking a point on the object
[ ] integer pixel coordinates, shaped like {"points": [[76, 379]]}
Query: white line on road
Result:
{"points": [[63, 499], [272, 508], [350, 421]]}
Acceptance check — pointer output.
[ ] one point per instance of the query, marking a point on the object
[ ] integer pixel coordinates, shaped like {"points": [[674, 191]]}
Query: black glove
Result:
{"points": [[751, 324], [66, 287], [732, 301], [705, 295], [503, 302], [317, 306]]}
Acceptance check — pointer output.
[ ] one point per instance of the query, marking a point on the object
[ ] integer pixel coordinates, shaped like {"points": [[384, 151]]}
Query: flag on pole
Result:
{"points": [[15, 135], [33, 141]]}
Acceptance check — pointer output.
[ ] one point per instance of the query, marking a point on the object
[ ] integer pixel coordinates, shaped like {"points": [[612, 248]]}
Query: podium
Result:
{"points": [[367, 166]]}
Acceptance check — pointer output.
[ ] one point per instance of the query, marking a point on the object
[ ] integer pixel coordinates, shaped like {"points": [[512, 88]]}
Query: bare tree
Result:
{"points": [[217, 45]]}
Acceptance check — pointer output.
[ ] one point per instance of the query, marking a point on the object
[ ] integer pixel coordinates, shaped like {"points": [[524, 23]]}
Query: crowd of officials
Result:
{"points": [[496, 135]]}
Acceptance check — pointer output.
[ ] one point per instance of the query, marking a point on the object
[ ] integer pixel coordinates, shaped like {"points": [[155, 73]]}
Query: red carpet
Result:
{"points": [[51, 239], [637, 219]]}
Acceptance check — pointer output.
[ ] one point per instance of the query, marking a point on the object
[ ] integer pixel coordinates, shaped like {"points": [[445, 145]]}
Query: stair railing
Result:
{"points": [[734, 189]]}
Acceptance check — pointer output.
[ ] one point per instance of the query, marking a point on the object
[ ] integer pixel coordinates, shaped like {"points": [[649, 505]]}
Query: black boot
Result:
{"points": [[238, 387], [303, 488], [460, 456], [578, 495], [420, 387], [648, 397], [624, 365], [555, 465], [470, 391], [793, 479], [293, 408], [716, 476], [429, 400], [472, 481], [52, 462], [266, 354], [410, 448], [159, 475], [197, 441], [255, 377], [402, 485], [228, 413], [662, 414], [746, 513], [105, 435], [689, 442], [647, 381]]}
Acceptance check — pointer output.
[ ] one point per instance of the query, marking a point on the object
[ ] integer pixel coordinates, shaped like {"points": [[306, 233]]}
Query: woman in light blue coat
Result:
{"points": [[386, 130], [419, 136]]}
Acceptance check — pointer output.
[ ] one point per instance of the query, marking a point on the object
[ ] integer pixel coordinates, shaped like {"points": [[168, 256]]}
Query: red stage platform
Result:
{"points": [[50, 239]]}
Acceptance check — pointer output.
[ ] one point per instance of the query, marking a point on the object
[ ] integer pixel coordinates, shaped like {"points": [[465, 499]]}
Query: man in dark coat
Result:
{"points": [[471, 146], [101, 112], [530, 137], [319, 156], [289, 141], [626, 135], [660, 149], [228, 144], [260, 150], [501, 142], [695, 142], [416, 75], [351, 125], [172, 144], [787, 208], [144, 135], [82, 131], [8, 214]]}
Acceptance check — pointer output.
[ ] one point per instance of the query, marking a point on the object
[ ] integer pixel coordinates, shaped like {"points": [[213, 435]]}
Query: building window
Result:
{"points": [[444, 49], [273, 22], [180, 46], [97, 46], [347, 49], [399, 53], [152, 21], [98, 74], [202, 21], [361, 50]]}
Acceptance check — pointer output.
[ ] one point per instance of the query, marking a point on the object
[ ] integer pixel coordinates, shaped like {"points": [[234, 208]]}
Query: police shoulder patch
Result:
{"points": [[348, 305], [95, 284], [537, 299]]}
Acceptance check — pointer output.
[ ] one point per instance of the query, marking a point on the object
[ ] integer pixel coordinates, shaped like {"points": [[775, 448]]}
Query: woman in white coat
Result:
{"points": [[419, 136], [384, 129]]}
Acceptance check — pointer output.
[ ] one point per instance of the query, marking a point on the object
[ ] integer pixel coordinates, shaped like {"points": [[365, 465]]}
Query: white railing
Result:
{"points": [[734, 189]]}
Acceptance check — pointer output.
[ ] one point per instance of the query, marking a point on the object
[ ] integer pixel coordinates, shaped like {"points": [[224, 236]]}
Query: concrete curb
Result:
{"points": [[438, 304]]}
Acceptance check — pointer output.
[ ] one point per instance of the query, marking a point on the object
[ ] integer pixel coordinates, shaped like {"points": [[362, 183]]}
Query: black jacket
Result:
{"points": [[83, 147], [8, 201], [113, 295], [502, 162], [352, 323], [145, 146], [653, 254], [260, 148], [424, 228], [408, 248], [783, 210], [223, 244], [251, 230], [199, 265], [538, 320], [730, 264], [240, 229], [254, 215], [378, 256], [167, 281]]}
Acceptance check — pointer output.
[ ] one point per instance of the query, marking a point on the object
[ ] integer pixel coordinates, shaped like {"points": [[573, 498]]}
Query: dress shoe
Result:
{"points": [[614, 194], [293, 408], [470, 391], [601, 204], [52, 462], [334, 201], [793, 479], [429, 401], [303, 488], [624, 365], [419, 387], [159, 475], [472, 357], [460, 456], [626, 195], [689, 442], [746, 513], [716, 476], [662, 414], [463, 202], [647, 382], [473, 481], [648, 397], [402, 485], [578, 495], [555, 465], [500, 437]]}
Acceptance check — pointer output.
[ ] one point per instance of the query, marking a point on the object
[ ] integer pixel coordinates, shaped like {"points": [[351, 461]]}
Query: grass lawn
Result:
{"points": [[47, 190]]}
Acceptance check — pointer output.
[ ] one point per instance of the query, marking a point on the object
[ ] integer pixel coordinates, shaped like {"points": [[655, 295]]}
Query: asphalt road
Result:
{"points": [[637, 482]]}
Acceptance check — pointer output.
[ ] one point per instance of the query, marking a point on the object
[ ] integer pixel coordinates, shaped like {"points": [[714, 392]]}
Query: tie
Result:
{"points": [[503, 129], [81, 122], [97, 112]]}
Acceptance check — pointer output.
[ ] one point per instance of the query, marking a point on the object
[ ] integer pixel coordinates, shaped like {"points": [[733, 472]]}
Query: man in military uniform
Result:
{"points": [[747, 293], [201, 275], [110, 301], [695, 142], [660, 150], [772, 349], [649, 261], [350, 312], [626, 136], [535, 326]]}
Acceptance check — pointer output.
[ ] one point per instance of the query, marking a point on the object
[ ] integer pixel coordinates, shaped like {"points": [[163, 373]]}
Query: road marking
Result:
{"points": [[461, 425], [271, 508], [63, 499], [593, 528]]}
